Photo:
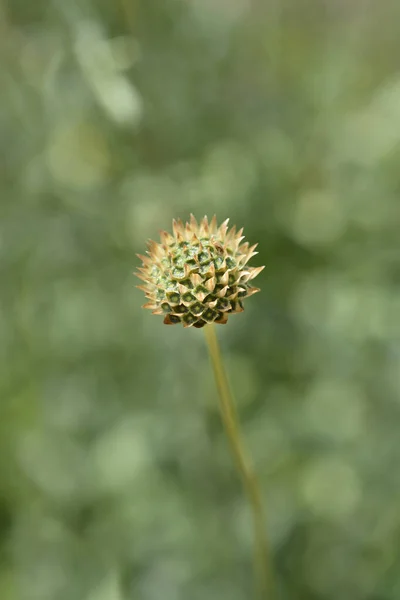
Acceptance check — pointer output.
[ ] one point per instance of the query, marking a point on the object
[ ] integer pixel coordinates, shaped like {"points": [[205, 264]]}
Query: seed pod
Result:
{"points": [[199, 274]]}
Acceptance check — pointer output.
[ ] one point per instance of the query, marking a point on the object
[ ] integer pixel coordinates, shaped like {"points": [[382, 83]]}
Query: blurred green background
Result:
{"points": [[115, 478]]}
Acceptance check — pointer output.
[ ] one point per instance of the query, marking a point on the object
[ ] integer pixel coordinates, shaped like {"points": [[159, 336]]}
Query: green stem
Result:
{"points": [[243, 464]]}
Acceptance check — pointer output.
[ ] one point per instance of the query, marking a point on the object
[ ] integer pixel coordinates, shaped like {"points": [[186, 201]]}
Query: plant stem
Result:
{"points": [[243, 464]]}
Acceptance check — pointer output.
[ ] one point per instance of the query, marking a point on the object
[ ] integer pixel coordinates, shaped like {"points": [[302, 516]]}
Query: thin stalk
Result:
{"points": [[231, 423]]}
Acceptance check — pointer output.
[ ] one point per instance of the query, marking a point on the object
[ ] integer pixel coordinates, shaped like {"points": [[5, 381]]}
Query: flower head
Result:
{"points": [[199, 274]]}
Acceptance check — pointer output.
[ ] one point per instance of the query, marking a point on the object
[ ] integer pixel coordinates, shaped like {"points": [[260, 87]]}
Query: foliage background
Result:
{"points": [[115, 480]]}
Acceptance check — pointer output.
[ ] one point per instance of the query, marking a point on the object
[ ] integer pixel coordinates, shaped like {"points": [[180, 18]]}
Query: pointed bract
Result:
{"points": [[213, 225], [193, 223]]}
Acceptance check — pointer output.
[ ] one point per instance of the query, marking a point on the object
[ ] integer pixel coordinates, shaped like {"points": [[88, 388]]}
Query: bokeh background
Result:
{"points": [[115, 117]]}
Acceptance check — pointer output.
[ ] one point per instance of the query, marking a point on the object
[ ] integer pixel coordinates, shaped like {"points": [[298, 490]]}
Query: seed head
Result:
{"points": [[199, 274]]}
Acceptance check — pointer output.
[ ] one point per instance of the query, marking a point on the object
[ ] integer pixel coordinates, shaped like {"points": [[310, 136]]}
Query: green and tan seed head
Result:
{"points": [[199, 274]]}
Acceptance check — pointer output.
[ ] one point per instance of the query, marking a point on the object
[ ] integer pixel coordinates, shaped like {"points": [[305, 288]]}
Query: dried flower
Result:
{"points": [[199, 274]]}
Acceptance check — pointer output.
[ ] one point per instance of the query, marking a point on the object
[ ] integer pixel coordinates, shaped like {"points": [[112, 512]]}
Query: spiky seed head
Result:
{"points": [[199, 274]]}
